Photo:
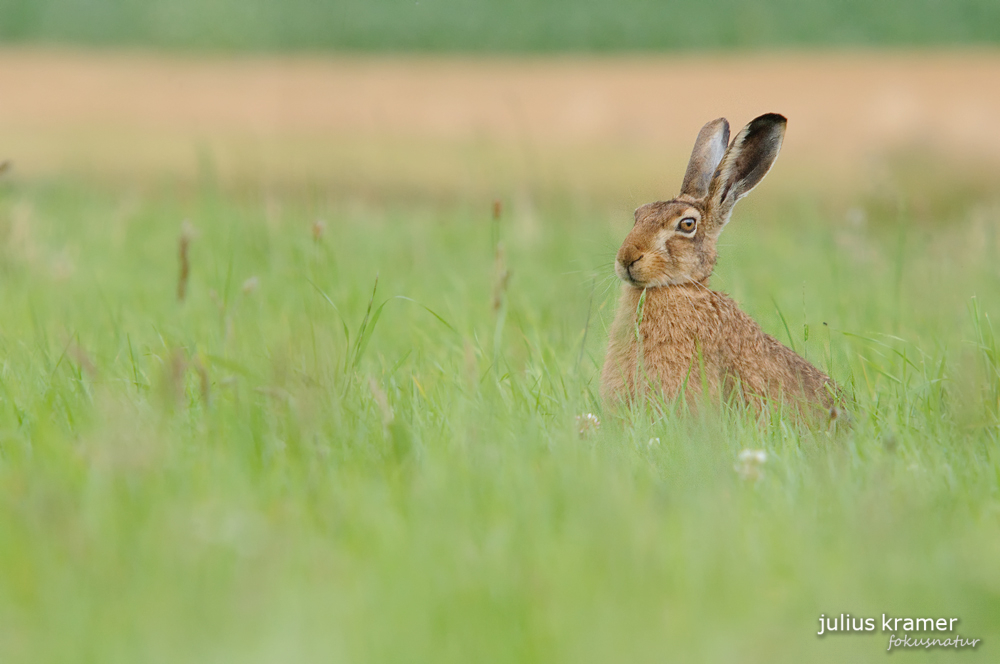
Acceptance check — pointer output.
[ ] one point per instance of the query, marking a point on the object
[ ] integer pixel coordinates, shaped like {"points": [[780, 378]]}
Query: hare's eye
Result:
{"points": [[687, 225]]}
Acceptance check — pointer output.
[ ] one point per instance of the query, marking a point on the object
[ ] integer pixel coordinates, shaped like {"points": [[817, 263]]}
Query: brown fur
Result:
{"points": [[688, 340]]}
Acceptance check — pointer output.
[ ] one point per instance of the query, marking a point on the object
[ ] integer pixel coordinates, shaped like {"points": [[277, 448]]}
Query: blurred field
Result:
{"points": [[280, 468], [601, 126], [513, 26]]}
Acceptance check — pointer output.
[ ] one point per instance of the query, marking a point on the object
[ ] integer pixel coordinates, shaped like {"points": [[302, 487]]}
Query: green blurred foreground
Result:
{"points": [[510, 26], [265, 472]]}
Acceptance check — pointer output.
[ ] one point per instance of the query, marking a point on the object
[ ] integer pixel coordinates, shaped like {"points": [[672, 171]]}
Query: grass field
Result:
{"points": [[356, 440], [275, 469], [512, 26]]}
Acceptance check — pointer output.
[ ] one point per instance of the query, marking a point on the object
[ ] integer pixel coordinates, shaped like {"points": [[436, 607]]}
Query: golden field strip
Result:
{"points": [[420, 122]]}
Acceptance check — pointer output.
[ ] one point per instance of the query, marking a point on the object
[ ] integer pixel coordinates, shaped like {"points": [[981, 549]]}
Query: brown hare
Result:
{"points": [[685, 339]]}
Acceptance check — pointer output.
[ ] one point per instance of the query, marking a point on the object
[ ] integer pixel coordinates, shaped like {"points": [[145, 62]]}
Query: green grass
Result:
{"points": [[512, 26], [256, 474]]}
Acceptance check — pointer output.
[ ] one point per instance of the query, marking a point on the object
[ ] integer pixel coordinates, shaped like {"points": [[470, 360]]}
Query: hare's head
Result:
{"points": [[673, 242]]}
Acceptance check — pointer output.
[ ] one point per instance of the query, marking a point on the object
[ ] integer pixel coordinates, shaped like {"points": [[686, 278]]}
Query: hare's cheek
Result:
{"points": [[659, 267]]}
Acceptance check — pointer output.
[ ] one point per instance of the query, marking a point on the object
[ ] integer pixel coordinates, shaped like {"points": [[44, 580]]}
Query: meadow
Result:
{"points": [[355, 438]]}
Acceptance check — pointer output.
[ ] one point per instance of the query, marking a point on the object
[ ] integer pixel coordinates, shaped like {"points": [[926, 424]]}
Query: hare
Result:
{"points": [[671, 334]]}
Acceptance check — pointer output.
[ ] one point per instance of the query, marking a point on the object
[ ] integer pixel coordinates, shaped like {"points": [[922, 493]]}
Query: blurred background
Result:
{"points": [[452, 97], [518, 26]]}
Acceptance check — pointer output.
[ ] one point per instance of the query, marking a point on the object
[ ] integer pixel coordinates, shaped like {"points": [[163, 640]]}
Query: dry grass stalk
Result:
{"points": [[83, 359], [175, 374], [187, 234], [471, 364], [204, 383], [500, 272], [501, 277], [318, 228], [382, 401]]}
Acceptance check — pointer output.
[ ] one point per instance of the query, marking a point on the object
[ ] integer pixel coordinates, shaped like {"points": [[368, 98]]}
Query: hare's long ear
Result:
{"points": [[708, 150], [744, 165]]}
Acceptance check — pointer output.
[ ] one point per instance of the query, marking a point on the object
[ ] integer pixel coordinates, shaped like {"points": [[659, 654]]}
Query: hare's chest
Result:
{"points": [[676, 344], [685, 329]]}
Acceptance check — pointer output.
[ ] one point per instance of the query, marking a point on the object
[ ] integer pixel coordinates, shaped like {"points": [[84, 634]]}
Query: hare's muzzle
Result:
{"points": [[625, 263]]}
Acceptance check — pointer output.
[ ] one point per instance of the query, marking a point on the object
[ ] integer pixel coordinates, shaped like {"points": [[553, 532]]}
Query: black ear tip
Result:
{"points": [[769, 124], [770, 119]]}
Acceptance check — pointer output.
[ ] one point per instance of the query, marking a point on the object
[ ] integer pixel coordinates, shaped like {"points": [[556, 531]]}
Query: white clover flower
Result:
{"points": [[750, 464], [587, 424]]}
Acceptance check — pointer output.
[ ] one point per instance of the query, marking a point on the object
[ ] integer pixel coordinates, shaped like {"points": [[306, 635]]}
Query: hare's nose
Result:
{"points": [[628, 256], [628, 266], [629, 262]]}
